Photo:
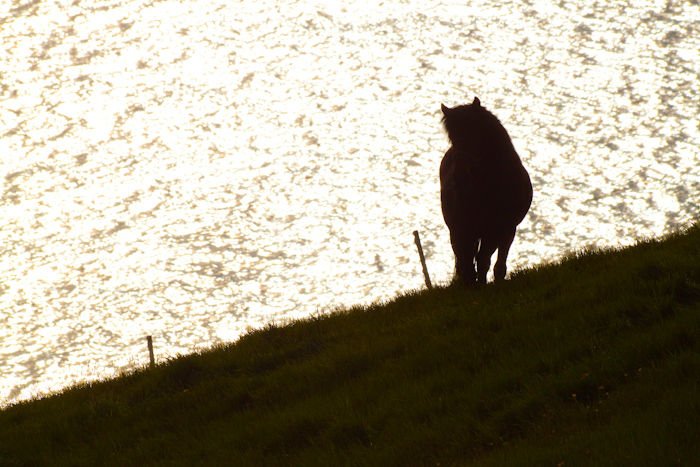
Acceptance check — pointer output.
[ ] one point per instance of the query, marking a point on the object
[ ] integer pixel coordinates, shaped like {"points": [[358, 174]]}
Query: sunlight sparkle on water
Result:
{"points": [[190, 169]]}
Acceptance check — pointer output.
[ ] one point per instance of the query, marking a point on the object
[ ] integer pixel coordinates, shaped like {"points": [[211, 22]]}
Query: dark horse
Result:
{"points": [[484, 189]]}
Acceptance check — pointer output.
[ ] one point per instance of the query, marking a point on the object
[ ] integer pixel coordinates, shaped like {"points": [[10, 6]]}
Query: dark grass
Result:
{"points": [[594, 360]]}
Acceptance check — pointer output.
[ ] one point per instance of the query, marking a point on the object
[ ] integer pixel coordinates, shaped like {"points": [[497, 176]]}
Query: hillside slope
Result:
{"points": [[594, 360]]}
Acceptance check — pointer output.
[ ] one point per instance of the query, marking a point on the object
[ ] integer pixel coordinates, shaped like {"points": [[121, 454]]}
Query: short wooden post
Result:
{"points": [[149, 339], [422, 260]]}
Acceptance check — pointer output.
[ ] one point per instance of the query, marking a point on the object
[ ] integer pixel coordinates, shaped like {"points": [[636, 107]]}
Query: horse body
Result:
{"points": [[484, 189]]}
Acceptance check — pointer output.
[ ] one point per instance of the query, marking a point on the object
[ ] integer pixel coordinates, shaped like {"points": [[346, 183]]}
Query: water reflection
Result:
{"points": [[187, 169]]}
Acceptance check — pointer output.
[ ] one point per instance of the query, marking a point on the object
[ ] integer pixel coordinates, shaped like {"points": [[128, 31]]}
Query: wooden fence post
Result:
{"points": [[149, 339], [422, 260]]}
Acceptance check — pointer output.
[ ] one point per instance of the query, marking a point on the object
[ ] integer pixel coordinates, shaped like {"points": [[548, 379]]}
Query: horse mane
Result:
{"points": [[472, 127]]}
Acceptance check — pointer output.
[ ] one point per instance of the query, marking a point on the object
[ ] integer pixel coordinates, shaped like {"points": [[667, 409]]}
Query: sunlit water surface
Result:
{"points": [[187, 169]]}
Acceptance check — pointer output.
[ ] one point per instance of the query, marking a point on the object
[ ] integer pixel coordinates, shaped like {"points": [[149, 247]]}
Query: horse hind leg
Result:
{"points": [[483, 258], [499, 269]]}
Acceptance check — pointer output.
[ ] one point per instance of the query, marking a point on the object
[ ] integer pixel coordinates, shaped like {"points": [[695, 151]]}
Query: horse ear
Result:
{"points": [[444, 108], [476, 102]]}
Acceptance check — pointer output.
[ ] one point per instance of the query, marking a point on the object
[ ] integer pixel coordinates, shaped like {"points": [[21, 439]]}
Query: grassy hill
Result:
{"points": [[594, 360]]}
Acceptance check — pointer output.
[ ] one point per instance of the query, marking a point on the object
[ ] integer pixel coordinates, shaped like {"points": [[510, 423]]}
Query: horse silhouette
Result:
{"points": [[484, 189]]}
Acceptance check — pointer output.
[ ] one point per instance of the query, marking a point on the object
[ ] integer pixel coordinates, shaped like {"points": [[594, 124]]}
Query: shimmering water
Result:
{"points": [[186, 169]]}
